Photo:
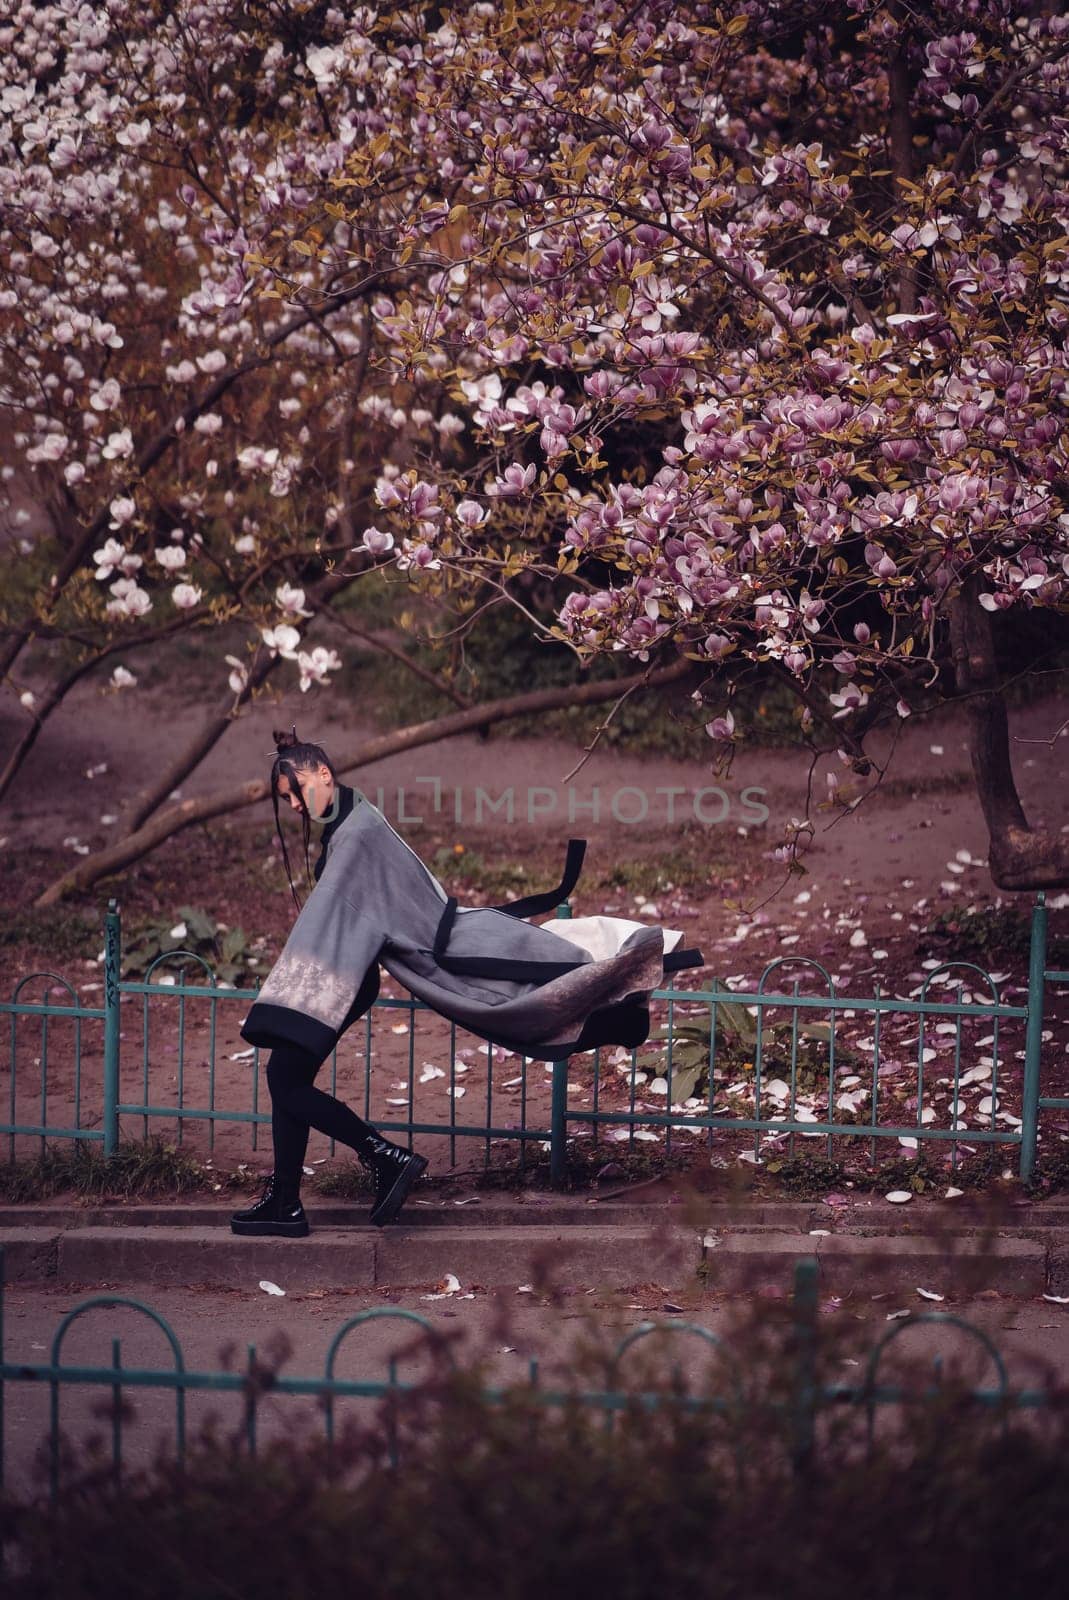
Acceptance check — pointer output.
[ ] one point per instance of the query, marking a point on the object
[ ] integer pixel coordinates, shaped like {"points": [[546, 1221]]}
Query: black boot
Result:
{"points": [[278, 1211], [394, 1171]]}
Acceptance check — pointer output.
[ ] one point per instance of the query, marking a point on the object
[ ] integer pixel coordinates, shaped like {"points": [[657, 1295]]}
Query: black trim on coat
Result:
{"points": [[346, 797], [511, 967], [267, 1025], [675, 959]]}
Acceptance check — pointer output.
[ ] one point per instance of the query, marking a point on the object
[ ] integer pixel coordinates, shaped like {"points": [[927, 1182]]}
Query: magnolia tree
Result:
{"points": [[746, 324], [760, 311]]}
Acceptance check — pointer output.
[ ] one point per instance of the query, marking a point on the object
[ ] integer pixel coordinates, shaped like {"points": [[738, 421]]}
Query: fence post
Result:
{"points": [[558, 1121], [112, 973], [805, 1307], [1033, 1039], [558, 1115]]}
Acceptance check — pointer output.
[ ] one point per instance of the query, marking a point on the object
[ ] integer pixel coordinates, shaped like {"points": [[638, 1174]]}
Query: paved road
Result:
{"points": [[503, 1329]]}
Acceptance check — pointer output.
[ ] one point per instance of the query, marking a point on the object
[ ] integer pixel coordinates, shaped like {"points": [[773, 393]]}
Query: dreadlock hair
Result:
{"points": [[292, 755]]}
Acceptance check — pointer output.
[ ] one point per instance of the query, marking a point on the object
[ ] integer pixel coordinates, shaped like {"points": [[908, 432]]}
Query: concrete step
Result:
{"points": [[677, 1259]]}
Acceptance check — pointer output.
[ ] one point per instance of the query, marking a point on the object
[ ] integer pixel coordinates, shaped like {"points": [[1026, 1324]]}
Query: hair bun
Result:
{"points": [[285, 741]]}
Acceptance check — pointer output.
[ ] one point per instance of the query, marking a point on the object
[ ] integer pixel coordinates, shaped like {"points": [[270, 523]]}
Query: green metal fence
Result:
{"points": [[613, 1096], [806, 1395]]}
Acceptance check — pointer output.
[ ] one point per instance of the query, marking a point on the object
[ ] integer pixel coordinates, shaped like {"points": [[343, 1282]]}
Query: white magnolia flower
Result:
{"points": [[28, 699], [282, 640], [107, 396], [245, 545], [108, 558], [51, 447], [122, 510], [121, 679], [281, 480], [253, 459], [850, 698], [316, 664], [209, 423], [134, 135], [240, 675], [130, 600], [170, 557], [291, 600], [186, 596], [212, 361], [119, 445]]}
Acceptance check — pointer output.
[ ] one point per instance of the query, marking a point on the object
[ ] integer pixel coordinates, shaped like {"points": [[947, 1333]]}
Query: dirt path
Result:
{"points": [[511, 793]]}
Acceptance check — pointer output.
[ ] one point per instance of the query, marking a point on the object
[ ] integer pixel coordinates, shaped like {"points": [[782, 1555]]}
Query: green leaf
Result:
{"points": [[199, 924], [684, 1083]]}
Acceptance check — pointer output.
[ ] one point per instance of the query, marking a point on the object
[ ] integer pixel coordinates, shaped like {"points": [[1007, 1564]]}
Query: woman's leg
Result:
{"points": [[297, 1105]]}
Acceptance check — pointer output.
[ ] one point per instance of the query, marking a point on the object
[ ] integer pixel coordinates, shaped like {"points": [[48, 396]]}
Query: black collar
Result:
{"points": [[346, 799]]}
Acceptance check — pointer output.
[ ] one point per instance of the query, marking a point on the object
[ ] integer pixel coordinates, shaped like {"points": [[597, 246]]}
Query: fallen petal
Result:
{"points": [[270, 1288], [898, 1197], [930, 1294]]}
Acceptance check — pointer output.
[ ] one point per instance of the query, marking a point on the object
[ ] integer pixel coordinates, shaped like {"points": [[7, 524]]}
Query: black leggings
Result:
{"points": [[297, 1106]]}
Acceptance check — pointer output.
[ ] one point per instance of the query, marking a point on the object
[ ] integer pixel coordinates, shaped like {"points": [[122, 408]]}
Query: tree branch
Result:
{"points": [[167, 823]]}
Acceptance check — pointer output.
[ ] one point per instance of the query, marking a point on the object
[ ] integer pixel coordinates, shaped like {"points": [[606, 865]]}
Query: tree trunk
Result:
{"points": [[900, 91], [167, 823], [1019, 857]]}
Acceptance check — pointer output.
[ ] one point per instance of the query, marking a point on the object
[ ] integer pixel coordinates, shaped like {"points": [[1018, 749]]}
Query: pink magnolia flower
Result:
{"points": [[513, 482], [420, 556], [722, 729], [377, 541], [471, 513]]}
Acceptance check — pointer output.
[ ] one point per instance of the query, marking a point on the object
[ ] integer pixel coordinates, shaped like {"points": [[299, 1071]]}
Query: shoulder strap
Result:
{"points": [[533, 905]]}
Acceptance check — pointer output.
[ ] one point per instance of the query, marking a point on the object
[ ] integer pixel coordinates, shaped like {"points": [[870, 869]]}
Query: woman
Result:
{"points": [[525, 987]]}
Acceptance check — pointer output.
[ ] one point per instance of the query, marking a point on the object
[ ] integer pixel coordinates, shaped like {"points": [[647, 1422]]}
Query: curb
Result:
{"points": [[717, 1257]]}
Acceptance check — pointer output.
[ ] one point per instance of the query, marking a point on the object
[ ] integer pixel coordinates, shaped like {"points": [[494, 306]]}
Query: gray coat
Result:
{"points": [[528, 988]]}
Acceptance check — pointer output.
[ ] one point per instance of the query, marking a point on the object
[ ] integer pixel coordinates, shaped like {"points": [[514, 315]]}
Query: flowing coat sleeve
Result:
{"points": [[526, 987]]}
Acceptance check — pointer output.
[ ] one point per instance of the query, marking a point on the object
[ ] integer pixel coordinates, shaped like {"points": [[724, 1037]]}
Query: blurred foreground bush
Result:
{"points": [[447, 1493]]}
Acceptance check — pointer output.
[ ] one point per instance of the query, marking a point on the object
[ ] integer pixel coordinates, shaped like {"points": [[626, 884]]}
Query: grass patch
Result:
{"points": [[65, 934], [682, 868], [149, 1170], [460, 868], [991, 934]]}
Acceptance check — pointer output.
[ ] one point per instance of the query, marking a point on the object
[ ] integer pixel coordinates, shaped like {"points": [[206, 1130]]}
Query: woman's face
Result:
{"points": [[317, 787]]}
